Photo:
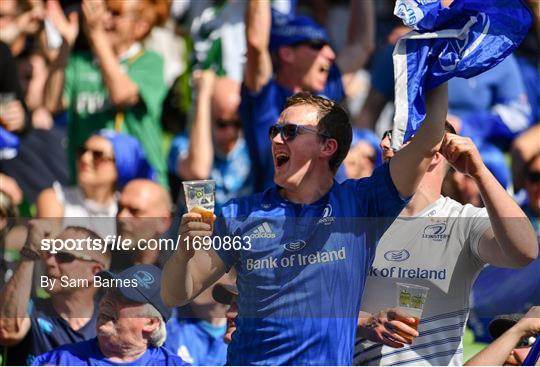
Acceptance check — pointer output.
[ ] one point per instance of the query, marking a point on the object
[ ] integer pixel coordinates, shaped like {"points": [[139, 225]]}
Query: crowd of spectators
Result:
{"points": [[107, 105]]}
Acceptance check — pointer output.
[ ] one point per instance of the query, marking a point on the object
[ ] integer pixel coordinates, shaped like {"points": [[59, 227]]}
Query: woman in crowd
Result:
{"points": [[105, 164]]}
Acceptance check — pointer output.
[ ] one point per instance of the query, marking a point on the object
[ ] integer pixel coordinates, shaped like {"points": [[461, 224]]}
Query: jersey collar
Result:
{"points": [[272, 197]]}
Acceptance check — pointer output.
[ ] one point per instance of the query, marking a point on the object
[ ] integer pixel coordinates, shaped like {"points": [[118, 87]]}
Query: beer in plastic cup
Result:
{"points": [[410, 301], [200, 198]]}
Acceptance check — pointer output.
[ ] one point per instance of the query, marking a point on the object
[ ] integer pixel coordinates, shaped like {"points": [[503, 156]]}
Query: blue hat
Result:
{"points": [[494, 160], [288, 30], [129, 158], [224, 293], [148, 278], [369, 137]]}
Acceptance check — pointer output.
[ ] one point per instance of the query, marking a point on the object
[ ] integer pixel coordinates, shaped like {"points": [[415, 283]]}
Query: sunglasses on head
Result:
{"points": [[222, 124], [313, 44], [533, 176], [67, 257], [288, 132], [97, 155]]}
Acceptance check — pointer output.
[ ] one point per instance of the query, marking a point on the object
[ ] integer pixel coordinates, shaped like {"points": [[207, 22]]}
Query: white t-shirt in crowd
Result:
{"points": [[438, 249], [82, 212]]}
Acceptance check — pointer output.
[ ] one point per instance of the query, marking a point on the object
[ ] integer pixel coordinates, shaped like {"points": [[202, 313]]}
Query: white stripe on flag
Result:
{"points": [[399, 56], [401, 99]]}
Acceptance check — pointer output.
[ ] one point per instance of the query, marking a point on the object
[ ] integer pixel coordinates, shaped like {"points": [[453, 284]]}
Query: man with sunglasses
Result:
{"points": [[29, 327], [442, 244], [307, 242], [287, 55], [215, 148]]}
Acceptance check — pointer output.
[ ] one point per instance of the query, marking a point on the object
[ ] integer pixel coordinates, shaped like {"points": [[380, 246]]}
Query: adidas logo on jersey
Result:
{"points": [[263, 231]]}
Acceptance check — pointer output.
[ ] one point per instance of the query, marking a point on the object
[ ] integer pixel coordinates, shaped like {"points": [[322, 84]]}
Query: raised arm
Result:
{"points": [[360, 40], [187, 272], [122, 90], [258, 25], [14, 321], [512, 241], [69, 29], [409, 164], [197, 164]]}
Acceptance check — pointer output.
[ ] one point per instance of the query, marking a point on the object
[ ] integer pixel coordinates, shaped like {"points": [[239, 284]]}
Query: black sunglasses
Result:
{"points": [[527, 342], [533, 176], [387, 134], [97, 155], [66, 257], [313, 44], [222, 124], [289, 132]]}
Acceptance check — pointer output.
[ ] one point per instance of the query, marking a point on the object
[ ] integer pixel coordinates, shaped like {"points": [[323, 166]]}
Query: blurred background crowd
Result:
{"points": [[106, 106]]}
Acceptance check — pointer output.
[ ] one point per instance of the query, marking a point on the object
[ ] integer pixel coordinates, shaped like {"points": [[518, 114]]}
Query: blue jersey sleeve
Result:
{"points": [[510, 112], [531, 79], [179, 146], [382, 72], [258, 111]]}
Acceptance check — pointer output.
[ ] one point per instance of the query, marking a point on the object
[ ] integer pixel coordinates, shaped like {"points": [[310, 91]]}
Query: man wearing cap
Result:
{"points": [[130, 326], [304, 253], [30, 327], [514, 337], [442, 244], [304, 62]]}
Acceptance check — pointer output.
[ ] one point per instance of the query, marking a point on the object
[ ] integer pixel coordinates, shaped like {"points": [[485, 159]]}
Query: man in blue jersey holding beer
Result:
{"points": [[302, 248]]}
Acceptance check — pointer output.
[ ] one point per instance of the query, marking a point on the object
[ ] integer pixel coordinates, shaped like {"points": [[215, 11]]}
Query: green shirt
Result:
{"points": [[90, 109]]}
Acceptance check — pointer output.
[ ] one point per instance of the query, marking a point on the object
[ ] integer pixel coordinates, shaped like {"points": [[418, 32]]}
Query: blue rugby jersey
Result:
{"points": [[301, 282], [188, 338], [47, 331], [87, 353]]}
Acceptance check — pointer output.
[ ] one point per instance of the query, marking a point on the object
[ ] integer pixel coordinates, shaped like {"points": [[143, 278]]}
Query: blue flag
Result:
{"points": [[9, 144], [463, 40]]}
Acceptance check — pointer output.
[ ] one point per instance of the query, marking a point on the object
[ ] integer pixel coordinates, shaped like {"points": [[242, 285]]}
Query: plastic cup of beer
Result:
{"points": [[200, 198], [410, 301]]}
